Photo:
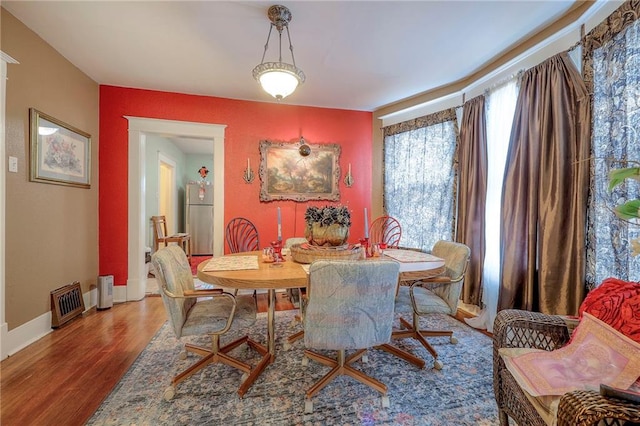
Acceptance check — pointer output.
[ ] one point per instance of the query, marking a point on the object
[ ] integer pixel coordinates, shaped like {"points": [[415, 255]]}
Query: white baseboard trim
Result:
{"points": [[119, 294], [4, 329], [24, 335]]}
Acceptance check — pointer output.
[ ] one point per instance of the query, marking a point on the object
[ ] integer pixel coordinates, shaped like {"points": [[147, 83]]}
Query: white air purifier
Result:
{"points": [[105, 291]]}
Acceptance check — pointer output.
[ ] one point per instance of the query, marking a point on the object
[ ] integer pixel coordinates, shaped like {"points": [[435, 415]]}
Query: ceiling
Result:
{"points": [[357, 55]]}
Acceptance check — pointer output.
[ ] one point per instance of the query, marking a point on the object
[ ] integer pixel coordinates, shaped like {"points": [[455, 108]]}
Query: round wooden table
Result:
{"points": [[268, 276]]}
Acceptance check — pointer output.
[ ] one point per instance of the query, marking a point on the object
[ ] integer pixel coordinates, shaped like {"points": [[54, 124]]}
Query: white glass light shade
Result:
{"points": [[278, 79]]}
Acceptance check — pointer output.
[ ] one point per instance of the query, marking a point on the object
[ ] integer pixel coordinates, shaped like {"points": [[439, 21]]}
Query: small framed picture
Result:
{"points": [[60, 153]]}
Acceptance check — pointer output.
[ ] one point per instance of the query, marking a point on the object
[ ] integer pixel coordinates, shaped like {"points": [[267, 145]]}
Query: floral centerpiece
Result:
{"points": [[327, 226]]}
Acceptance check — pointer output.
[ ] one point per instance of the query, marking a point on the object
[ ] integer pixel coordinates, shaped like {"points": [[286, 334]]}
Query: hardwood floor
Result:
{"points": [[62, 378]]}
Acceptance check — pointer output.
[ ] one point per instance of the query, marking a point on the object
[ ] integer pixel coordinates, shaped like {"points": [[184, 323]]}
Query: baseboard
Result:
{"points": [[119, 294], [29, 332], [24, 335], [4, 328]]}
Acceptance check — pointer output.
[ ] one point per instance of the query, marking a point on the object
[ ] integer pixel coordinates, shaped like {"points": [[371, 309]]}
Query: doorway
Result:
{"points": [[139, 128], [167, 193]]}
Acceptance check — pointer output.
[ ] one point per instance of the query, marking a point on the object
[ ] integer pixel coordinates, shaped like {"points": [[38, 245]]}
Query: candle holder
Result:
{"points": [[248, 176], [277, 251], [364, 242], [348, 179]]}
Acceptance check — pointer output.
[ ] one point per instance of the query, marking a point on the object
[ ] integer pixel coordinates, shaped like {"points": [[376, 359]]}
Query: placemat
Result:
{"points": [[231, 263]]}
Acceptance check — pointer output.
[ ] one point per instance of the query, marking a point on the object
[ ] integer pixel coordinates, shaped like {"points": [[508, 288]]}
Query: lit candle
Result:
{"points": [[349, 169], [279, 225], [366, 224], [248, 164]]}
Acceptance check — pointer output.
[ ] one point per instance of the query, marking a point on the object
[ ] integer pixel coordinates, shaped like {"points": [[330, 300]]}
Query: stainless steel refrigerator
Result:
{"points": [[199, 217]]}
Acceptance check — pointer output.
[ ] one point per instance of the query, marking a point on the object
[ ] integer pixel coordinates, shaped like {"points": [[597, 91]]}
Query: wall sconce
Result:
{"points": [[248, 173], [348, 179]]}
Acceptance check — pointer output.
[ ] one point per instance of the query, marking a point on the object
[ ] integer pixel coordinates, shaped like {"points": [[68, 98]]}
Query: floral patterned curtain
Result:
{"points": [[612, 73], [420, 166]]}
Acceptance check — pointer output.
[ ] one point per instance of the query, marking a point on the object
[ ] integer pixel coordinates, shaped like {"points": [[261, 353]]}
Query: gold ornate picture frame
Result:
{"points": [[299, 171], [60, 154]]}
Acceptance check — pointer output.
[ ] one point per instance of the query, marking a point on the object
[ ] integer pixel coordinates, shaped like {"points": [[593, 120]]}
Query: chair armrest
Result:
{"points": [[582, 408], [515, 328], [203, 292]]}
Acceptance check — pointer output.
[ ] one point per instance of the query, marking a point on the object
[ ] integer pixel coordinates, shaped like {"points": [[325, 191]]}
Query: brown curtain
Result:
{"points": [[544, 198], [472, 193]]}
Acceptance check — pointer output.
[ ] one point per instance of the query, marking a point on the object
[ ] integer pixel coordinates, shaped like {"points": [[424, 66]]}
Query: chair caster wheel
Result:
{"points": [[437, 365], [308, 406], [183, 355], [453, 340], [305, 361], [169, 393], [365, 358], [385, 402]]}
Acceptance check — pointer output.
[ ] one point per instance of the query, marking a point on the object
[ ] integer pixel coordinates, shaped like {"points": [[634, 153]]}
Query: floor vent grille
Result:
{"points": [[66, 304]]}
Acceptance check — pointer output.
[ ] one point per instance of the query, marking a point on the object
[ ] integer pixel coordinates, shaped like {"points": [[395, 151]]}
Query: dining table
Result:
{"points": [[272, 276]]}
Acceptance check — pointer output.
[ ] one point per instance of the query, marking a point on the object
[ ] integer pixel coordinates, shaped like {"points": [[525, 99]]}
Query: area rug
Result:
{"points": [[459, 394]]}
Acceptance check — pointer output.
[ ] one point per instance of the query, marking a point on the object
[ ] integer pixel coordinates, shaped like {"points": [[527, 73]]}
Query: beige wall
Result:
{"points": [[51, 230]]}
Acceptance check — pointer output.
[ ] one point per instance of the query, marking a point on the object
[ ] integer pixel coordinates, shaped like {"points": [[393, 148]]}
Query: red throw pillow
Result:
{"points": [[617, 303]]}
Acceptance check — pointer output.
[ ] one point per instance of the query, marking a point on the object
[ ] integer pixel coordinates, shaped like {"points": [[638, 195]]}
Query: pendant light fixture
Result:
{"points": [[279, 79]]}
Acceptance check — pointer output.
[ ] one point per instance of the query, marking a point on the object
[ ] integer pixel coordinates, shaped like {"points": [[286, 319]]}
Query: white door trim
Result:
{"points": [[4, 328], [137, 219]]}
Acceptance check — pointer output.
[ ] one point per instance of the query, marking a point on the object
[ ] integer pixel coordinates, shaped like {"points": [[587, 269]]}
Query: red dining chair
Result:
{"points": [[242, 235], [385, 229]]}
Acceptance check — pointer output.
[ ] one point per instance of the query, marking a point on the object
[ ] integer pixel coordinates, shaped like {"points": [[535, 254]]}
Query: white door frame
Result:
{"points": [[139, 127], [4, 328]]}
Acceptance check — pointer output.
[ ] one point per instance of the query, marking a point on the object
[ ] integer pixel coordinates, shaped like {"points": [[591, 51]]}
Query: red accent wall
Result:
{"points": [[247, 123]]}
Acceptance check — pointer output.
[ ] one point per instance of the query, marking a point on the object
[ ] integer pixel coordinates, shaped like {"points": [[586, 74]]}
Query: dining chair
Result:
{"points": [[385, 229], [434, 295], [242, 235], [161, 236], [194, 312], [350, 307]]}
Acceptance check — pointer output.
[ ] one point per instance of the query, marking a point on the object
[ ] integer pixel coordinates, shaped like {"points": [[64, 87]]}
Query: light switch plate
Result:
{"points": [[13, 164]]}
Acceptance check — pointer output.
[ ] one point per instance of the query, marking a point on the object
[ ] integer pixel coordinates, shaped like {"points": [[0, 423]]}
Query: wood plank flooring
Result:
{"points": [[62, 378]]}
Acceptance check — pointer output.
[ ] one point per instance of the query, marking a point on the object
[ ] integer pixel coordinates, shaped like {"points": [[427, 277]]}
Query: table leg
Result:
{"points": [[271, 322]]}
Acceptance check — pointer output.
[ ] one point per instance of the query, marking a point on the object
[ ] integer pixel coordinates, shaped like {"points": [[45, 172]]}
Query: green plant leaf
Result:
{"points": [[617, 176], [628, 210]]}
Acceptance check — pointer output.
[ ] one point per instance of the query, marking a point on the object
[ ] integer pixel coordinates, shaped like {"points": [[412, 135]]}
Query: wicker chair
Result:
{"points": [[522, 329], [242, 235], [385, 229]]}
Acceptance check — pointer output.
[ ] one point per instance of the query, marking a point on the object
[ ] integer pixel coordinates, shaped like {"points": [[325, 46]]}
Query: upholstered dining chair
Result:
{"points": [[242, 235], [295, 294], [161, 236], [438, 294], [199, 312], [350, 307], [385, 229]]}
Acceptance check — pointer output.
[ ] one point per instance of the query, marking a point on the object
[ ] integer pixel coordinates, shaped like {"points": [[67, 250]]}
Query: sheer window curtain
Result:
{"points": [[419, 178], [544, 199], [612, 68]]}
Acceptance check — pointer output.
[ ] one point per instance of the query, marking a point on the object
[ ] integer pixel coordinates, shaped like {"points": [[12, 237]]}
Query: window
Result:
{"points": [[615, 138], [419, 178]]}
